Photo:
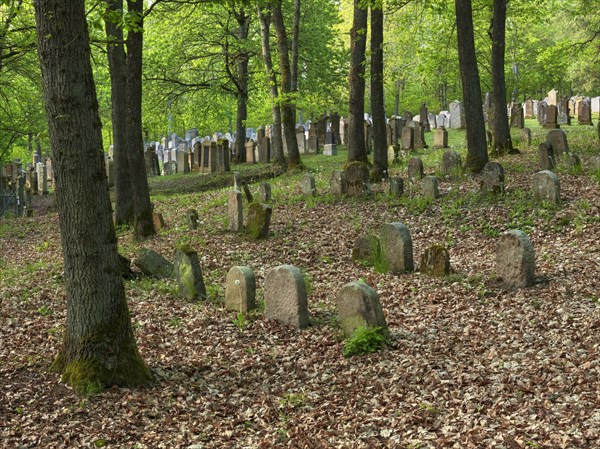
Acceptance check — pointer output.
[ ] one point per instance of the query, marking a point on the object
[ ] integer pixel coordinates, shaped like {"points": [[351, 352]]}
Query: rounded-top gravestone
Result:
{"points": [[515, 259], [285, 296]]}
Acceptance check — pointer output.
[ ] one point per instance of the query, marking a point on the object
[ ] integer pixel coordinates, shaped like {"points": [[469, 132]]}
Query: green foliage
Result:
{"points": [[364, 340]]}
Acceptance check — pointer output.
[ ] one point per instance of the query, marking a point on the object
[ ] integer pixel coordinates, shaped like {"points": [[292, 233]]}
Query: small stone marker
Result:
{"points": [[240, 289], [408, 138], [415, 169], [546, 187], [337, 183], [189, 274], [440, 137], [308, 185], [573, 160], [259, 220], [366, 250], [429, 187], [357, 179], [153, 264], [396, 186], [393, 151], [515, 259], [546, 155], [264, 192], [526, 136], [192, 219], [492, 178], [358, 305], [396, 248], [451, 163], [158, 220], [558, 139], [234, 211], [285, 296], [435, 261]]}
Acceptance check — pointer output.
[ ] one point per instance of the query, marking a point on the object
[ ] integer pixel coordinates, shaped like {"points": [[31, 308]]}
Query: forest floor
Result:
{"points": [[470, 364]]}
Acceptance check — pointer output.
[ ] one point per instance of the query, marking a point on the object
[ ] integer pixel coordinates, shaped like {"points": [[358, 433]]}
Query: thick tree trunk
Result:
{"points": [[287, 102], [99, 348], [143, 224], [501, 130], [241, 83], [477, 155], [357, 151], [117, 67], [380, 159]]}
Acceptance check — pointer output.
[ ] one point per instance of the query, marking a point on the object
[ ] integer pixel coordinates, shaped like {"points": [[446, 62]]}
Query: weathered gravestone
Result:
{"points": [[573, 160], [285, 296], [557, 138], [393, 152], [429, 187], [435, 261], [492, 178], [415, 169], [259, 220], [330, 147], [563, 112], [424, 118], [366, 250], [264, 192], [542, 112], [301, 139], [529, 109], [396, 248], [408, 138], [356, 178], [526, 136], [584, 110], [234, 211], [546, 187], [396, 186], [158, 220], [250, 150], [551, 117], [358, 305], [182, 161], [42, 176], [517, 119], [189, 274], [308, 185], [546, 155], [153, 264], [456, 115], [192, 219], [170, 168], [440, 137], [337, 183], [451, 163], [335, 120], [240, 289], [515, 259], [419, 136]]}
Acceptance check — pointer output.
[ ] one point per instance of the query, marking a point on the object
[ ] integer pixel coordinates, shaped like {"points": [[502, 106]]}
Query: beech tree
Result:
{"points": [[99, 347], [380, 158]]}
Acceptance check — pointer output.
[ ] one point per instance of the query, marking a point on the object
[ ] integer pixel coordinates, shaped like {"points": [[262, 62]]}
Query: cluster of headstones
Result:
{"points": [[18, 184], [259, 210]]}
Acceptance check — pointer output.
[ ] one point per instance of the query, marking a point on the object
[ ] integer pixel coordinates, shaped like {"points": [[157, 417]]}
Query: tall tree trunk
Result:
{"points": [[264, 17], [501, 130], [295, 51], [287, 102], [477, 155], [380, 158], [241, 82], [143, 224], [357, 150], [99, 347], [117, 67]]}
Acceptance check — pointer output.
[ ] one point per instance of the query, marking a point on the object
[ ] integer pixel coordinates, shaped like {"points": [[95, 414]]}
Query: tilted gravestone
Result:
{"points": [[308, 185], [396, 248], [189, 274], [153, 264], [515, 259], [430, 187], [234, 211], [396, 186], [558, 139], [259, 220], [546, 155], [192, 219], [337, 183], [492, 178], [451, 163], [435, 261], [546, 187], [285, 296], [240, 289], [415, 169], [358, 305]]}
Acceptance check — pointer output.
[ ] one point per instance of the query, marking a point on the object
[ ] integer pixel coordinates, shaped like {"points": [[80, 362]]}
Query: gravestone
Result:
{"points": [[515, 259], [300, 138], [546, 156], [557, 138], [285, 296], [419, 136], [396, 186], [573, 160], [192, 219], [542, 111], [407, 116], [330, 147], [208, 157], [595, 105], [492, 178], [526, 136], [517, 120], [408, 138], [424, 118], [170, 168], [435, 261], [322, 129], [151, 161], [432, 121], [546, 187], [389, 134], [335, 127], [451, 163], [529, 109], [313, 139], [584, 110], [153, 264], [309, 188], [366, 250], [189, 274], [440, 137], [259, 220], [237, 181], [42, 176], [429, 187], [396, 248], [392, 154], [552, 97], [358, 305], [337, 183], [250, 152], [563, 112], [158, 220], [240, 289], [456, 115], [357, 178], [595, 163], [182, 163], [234, 211], [551, 117], [415, 169], [264, 192]]}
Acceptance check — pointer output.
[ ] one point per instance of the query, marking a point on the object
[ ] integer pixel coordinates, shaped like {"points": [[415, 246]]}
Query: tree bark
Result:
{"points": [[143, 224], [117, 67], [241, 82], [357, 151], [99, 347], [287, 102], [380, 157], [264, 17], [295, 47], [501, 129], [477, 155]]}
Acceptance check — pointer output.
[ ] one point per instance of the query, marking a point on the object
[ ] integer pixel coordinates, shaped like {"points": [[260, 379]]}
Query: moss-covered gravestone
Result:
{"points": [[492, 179], [309, 188], [259, 219], [430, 187], [189, 274], [396, 186], [358, 305], [357, 179], [153, 264], [558, 139], [451, 163], [285, 296], [415, 169], [264, 192], [546, 187], [240, 289], [192, 219], [515, 259], [526, 136], [396, 249], [366, 250], [435, 261]]}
